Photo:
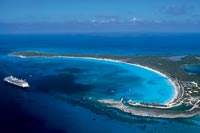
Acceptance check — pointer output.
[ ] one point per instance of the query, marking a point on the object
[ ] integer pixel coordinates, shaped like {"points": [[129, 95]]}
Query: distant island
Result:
{"points": [[186, 102]]}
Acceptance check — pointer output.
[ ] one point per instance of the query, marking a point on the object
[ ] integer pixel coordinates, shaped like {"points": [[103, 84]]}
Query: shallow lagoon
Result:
{"points": [[94, 78], [78, 78]]}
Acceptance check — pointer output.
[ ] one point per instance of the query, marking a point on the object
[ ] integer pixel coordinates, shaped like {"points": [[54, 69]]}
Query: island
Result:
{"points": [[186, 102]]}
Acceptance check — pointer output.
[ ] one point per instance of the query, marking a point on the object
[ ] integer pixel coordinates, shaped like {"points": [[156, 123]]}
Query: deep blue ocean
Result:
{"points": [[45, 106]]}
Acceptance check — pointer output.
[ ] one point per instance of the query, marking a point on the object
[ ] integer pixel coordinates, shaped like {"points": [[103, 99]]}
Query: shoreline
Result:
{"points": [[144, 112], [185, 88], [175, 95], [169, 103]]}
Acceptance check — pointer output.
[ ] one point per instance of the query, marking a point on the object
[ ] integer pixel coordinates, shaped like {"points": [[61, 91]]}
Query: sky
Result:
{"points": [[63, 16]]}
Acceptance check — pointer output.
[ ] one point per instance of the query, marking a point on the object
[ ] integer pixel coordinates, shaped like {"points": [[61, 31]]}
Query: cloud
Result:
{"points": [[175, 10], [130, 25], [136, 20], [105, 19]]}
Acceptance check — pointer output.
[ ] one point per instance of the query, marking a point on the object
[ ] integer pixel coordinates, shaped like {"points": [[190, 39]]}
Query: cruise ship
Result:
{"points": [[15, 81]]}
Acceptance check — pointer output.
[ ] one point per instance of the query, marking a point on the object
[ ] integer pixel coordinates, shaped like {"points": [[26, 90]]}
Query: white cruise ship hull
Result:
{"points": [[16, 82]]}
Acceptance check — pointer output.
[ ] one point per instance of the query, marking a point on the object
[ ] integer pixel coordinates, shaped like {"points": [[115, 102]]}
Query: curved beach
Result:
{"points": [[137, 108], [168, 104]]}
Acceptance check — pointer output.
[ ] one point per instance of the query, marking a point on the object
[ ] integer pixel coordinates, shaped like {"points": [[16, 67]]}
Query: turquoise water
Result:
{"points": [[78, 78], [104, 79], [41, 109], [123, 80]]}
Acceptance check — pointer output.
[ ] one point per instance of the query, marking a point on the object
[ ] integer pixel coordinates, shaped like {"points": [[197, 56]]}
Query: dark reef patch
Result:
{"points": [[65, 83], [71, 70]]}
